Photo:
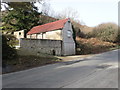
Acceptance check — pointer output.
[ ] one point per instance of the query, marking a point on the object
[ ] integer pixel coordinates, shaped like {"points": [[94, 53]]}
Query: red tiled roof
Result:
{"points": [[48, 27]]}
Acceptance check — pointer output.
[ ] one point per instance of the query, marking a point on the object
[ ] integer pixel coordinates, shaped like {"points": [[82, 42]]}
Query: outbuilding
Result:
{"points": [[52, 38]]}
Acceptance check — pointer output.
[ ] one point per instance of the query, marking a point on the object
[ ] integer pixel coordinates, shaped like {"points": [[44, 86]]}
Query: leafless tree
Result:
{"points": [[69, 13]]}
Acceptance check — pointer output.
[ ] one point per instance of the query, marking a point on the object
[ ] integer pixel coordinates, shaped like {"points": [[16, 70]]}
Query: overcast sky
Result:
{"points": [[91, 12]]}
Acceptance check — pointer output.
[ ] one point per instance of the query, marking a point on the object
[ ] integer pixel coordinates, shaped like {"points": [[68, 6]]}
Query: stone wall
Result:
{"points": [[37, 46]]}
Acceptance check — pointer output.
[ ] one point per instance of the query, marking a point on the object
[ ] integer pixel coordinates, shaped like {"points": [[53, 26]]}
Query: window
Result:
{"points": [[69, 33], [68, 21], [19, 33]]}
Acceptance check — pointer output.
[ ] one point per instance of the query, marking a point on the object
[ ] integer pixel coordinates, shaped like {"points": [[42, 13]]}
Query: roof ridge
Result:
{"points": [[50, 22]]}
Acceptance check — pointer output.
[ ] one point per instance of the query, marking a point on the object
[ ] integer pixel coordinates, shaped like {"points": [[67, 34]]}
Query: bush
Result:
{"points": [[11, 40], [7, 51], [77, 30], [106, 32], [118, 37]]}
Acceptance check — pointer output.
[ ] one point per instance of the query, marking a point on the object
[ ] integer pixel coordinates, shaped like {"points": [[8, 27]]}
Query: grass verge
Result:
{"points": [[27, 62]]}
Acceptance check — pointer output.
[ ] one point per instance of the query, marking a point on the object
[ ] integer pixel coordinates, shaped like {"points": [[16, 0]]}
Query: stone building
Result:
{"points": [[20, 34], [52, 38]]}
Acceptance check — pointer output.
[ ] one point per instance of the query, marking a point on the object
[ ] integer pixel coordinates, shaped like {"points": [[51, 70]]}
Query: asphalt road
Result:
{"points": [[99, 71]]}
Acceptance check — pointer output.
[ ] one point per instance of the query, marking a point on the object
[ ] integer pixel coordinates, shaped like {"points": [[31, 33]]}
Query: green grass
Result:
{"points": [[117, 47]]}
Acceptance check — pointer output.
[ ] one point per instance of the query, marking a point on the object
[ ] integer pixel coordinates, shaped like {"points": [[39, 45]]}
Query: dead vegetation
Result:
{"points": [[101, 38], [93, 46]]}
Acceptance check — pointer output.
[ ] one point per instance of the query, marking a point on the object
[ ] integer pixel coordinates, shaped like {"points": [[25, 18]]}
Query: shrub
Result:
{"points": [[11, 40], [8, 52], [118, 37], [77, 30], [106, 32]]}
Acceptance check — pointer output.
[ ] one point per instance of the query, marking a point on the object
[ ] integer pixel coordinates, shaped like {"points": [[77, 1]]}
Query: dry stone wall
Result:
{"points": [[38, 46]]}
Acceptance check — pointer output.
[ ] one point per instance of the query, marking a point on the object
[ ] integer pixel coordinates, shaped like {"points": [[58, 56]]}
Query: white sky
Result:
{"points": [[91, 12]]}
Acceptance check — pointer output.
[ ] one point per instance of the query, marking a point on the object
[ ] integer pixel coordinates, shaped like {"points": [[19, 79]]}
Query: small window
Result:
{"points": [[69, 33], [68, 21], [19, 33]]}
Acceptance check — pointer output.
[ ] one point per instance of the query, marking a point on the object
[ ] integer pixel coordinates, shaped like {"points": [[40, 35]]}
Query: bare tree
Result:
{"points": [[45, 8], [69, 13]]}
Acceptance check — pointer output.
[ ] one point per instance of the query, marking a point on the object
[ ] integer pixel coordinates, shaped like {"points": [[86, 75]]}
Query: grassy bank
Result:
{"points": [[29, 61]]}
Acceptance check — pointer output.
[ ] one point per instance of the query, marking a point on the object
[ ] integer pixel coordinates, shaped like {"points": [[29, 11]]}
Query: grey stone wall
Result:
{"points": [[37, 46]]}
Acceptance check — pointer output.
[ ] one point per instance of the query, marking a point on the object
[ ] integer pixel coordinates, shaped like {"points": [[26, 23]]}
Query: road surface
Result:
{"points": [[99, 71]]}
